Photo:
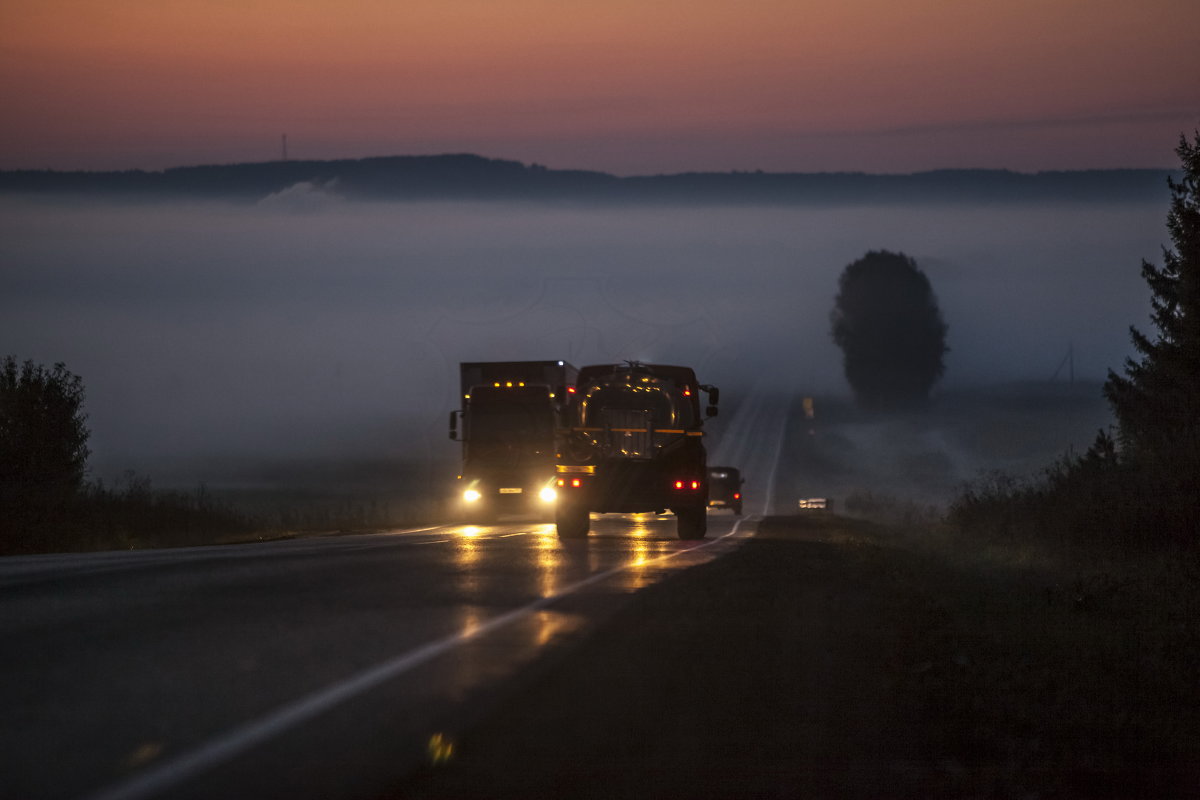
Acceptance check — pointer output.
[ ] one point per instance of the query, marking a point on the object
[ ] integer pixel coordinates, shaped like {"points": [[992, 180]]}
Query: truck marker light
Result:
{"points": [[678, 484], [562, 481], [737, 495], [695, 484], [576, 482]]}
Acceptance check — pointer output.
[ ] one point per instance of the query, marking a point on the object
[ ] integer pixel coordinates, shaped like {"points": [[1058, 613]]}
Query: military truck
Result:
{"points": [[634, 443], [510, 414]]}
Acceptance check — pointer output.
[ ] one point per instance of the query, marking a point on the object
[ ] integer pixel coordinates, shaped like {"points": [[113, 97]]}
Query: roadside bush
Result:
{"points": [[43, 449], [1098, 501]]}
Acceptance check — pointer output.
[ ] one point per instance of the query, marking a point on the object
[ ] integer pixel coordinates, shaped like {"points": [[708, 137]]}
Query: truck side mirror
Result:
{"points": [[454, 425], [714, 397]]}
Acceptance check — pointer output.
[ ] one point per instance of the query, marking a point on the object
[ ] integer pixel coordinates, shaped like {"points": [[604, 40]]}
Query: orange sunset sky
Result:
{"points": [[626, 87]]}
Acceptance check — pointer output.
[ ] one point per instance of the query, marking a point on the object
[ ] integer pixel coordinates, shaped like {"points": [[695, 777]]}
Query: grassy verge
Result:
{"points": [[830, 657], [131, 514]]}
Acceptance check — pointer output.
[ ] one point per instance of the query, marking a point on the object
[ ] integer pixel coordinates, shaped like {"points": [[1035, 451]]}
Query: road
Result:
{"points": [[321, 667]]}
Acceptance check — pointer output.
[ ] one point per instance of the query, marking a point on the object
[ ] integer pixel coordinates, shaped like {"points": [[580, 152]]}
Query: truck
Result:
{"points": [[633, 442], [511, 412]]}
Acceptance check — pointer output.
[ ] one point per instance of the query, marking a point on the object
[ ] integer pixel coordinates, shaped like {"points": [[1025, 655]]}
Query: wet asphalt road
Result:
{"points": [[314, 668], [305, 668]]}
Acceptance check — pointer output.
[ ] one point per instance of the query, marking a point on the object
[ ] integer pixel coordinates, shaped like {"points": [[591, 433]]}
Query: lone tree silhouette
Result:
{"points": [[43, 442], [1157, 403], [886, 320]]}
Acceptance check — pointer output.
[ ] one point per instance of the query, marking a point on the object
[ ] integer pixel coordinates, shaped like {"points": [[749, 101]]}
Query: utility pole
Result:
{"points": [[1068, 362]]}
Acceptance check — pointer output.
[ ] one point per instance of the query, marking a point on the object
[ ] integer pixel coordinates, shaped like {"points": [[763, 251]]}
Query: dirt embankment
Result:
{"points": [[831, 658]]}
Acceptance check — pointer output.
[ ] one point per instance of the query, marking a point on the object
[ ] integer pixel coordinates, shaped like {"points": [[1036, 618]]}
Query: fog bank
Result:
{"points": [[308, 326]]}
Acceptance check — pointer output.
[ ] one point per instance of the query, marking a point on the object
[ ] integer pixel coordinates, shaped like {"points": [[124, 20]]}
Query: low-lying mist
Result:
{"points": [[311, 328]]}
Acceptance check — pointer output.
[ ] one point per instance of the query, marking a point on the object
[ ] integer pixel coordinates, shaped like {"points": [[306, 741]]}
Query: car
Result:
{"points": [[725, 488]]}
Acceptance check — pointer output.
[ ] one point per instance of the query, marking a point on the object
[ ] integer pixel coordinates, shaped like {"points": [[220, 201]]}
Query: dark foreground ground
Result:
{"points": [[832, 658]]}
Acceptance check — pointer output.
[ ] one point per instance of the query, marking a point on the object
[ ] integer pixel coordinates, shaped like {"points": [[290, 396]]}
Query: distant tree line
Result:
{"points": [[1141, 487], [473, 177]]}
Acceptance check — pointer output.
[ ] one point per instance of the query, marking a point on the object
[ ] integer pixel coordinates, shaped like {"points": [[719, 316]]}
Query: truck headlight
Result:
{"points": [[547, 494], [471, 495]]}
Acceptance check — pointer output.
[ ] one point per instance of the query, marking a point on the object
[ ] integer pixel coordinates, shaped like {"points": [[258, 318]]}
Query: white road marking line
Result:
{"points": [[404, 531], [19, 570], [242, 738]]}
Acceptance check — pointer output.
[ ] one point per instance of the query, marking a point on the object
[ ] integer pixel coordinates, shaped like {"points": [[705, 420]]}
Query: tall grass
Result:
{"points": [[128, 514], [131, 514]]}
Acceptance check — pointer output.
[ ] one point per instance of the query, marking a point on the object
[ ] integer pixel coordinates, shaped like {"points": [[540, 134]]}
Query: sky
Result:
{"points": [[623, 86]]}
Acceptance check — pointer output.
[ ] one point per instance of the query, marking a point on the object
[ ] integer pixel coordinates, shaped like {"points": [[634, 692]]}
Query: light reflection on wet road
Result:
{"points": [[227, 665]]}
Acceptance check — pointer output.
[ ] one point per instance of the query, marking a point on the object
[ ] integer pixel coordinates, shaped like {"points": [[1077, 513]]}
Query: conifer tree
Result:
{"points": [[1157, 401]]}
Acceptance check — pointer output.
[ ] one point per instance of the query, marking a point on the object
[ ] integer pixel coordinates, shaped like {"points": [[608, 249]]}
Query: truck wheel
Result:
{"points": [[572, 521], [690, 523]]}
